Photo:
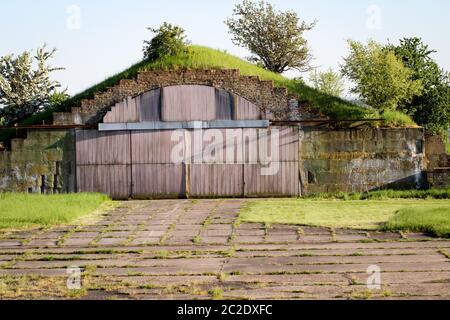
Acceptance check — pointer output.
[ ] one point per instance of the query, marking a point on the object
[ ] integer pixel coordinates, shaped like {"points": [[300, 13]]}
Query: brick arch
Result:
{"points": [[270, 99]]}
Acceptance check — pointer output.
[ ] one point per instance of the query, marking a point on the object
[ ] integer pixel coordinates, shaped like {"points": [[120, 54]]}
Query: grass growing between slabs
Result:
{"points": [[387, 211], [21, 211]]}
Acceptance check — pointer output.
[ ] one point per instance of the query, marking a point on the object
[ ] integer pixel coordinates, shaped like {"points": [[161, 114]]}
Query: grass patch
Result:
{"points": [[200, 57], [21, 211], [353, 214], [434, 220], [398, 119], [385, 194], [216, 293]]}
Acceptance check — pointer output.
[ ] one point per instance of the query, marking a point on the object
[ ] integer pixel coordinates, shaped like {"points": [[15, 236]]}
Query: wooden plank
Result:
{"points": [[105, 148], [283, 183], [152, 147], [188, 103], [150, 106], [216, 180], [113, 180], [283, 140], [158, 180], [245, 110], [224, 105]]}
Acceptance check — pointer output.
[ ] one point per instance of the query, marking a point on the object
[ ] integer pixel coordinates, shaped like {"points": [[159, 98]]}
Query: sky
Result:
{"points": [[98, 38]]}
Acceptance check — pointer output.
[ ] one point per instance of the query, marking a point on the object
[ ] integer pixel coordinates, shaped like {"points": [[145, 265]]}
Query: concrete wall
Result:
{"points": [[359, 160], [438, 163], [44, 162]]}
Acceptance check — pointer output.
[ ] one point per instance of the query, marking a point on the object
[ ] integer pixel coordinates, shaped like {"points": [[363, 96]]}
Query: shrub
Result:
{"points": [[169, 41]]}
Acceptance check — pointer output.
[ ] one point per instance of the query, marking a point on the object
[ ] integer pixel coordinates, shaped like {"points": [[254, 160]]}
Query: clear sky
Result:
{"points": [[97, 38]]}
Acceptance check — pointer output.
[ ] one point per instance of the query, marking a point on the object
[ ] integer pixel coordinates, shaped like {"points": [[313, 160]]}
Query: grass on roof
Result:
{"points": [[200, 57]]}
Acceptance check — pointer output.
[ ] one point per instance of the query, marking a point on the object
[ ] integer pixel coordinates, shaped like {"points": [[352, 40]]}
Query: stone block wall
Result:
{"points": [[44, 162], [438, 162], [359, 160]]}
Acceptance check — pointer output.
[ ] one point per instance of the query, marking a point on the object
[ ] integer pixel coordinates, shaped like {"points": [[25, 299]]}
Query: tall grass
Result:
{"points": [[398, 119], [30, 210]]}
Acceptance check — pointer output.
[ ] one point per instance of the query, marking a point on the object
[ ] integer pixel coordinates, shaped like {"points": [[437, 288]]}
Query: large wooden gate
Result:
{"points": [[141, 164]]}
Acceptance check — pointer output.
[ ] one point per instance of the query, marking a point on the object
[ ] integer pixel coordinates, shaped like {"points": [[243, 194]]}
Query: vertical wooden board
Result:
{"points": [[283, 183], [278, 144], [251, 145], [247, 110], [112, 115], [213, 180], [150, 106], [113, 180], [158, 180], [152, 147], [188, 103], [105, 148], [216, 144], [131, 114], [224, 105]]}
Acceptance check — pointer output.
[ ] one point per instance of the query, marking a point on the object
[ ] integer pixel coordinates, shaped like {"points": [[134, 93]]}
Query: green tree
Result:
{"points": [[431, 109], [25, 84], [169, 41], [329, 82], [380, 78], [275, 38]]}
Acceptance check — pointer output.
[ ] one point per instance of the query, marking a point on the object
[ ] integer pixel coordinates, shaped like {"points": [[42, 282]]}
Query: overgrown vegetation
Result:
{"points": [[30, 210]]}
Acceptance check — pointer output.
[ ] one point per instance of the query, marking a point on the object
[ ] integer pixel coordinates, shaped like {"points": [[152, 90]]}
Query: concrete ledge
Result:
{"points": [[225, 124]]}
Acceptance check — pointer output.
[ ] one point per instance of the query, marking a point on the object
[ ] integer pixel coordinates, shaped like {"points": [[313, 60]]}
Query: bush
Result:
{"points": [[169, 41]]}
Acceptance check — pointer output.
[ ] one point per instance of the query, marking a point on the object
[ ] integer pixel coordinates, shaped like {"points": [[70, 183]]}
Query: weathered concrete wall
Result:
{"points": [[439, 178], [438, 163], [44, 162], [359, 160]]}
